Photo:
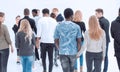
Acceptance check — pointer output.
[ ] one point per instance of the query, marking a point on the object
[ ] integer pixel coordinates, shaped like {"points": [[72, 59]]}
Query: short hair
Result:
{"points": [[45, 11], [55, 9], [99, 10], [52, 15], [68, 12], [35, 11], [2, 14], [17, 16], [26, 11]]}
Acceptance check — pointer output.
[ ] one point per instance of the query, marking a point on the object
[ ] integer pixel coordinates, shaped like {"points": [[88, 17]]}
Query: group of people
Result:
{"points": [[66, 37]]}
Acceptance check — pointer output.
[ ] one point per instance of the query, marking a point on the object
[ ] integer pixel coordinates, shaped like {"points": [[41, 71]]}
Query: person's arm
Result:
{"points": [[38, 36], [57, 43], [7, 37], [84, 46], [56, 37], [34, 27], [112, 30], [104, 45], [79, 43], [84, 28]]}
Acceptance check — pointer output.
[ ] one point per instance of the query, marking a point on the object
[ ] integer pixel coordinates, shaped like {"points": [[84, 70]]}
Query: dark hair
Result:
{"points": [[45, 11], [99, 10], [52, 15], [68, 12], [1, 15], [26, 11], [35, 11], [17, 16]]}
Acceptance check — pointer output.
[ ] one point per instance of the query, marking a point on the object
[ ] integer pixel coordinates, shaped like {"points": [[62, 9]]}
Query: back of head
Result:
{"points": [[53, 15], [77, 16], [26, 12], [18, 16], [99, 10], [55, 10], [2, 14], [95, 30], [35, 11], [26, 28], [24, 25], [45, 11], [68, 12]]}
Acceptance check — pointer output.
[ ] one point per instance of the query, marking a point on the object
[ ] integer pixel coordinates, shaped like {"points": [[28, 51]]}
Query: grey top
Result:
{"points": [[25, 49], [5, 40]]}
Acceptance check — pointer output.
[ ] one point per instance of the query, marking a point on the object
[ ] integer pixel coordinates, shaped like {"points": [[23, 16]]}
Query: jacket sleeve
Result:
{"points": [[112, 30], [105, 27], [33, 39], [7, 35], [34, 27], [17, 42]]}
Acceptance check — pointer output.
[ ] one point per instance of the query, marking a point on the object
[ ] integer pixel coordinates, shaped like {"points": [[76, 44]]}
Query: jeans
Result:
{"points": [[94, 58], [47, 47], [4, 54], [67, 62], [81, 62], [27, 62], [118, 62], [106, 59], [56, 54]]}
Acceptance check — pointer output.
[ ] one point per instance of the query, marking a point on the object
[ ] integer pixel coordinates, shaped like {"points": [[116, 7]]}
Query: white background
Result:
{"points": [[12, 8]]}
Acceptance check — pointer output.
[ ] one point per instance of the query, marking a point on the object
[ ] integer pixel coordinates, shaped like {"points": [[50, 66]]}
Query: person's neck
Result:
{"points": [[68, 19], [45, 15]]}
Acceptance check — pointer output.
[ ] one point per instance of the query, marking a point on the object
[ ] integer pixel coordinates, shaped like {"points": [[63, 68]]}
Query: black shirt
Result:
{"points": [[82, 27]]}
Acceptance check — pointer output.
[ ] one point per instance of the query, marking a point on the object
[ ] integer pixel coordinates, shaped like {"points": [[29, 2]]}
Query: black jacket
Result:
{"points": [[82, 27], [59, 18], [32, 23], [115, 33], [104, 23], [15, 28]]}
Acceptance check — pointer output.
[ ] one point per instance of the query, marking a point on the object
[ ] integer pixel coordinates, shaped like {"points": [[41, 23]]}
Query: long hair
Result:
{"points": [[77, 16], [26, 28], [1, 16], [95, 31]]}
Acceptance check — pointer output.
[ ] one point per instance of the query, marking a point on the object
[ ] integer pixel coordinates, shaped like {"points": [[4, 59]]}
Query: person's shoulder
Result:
{"points": [[4, 26]]}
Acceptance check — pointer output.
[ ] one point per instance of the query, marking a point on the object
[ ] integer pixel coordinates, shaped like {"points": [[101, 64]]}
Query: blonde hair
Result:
{"points": [[95, 31], [26, 28], [55, 9], [77, 16]]}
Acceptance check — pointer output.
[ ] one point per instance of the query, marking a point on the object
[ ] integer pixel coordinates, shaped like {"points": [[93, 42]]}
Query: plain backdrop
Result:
{"points": [[12, 8]]}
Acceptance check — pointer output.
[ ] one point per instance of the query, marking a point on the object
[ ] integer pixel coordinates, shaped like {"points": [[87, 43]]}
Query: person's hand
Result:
{"points": [[12, 50], [103, 58], [37, 43], [78, 55]]}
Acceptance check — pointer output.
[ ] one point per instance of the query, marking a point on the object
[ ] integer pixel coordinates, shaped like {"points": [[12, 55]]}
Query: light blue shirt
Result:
{"points": [[67, 32]]}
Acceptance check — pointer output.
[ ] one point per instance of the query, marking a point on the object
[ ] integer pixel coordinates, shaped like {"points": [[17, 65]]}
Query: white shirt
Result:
{"points": [[46, 28], [36, 19], [93, 45]]}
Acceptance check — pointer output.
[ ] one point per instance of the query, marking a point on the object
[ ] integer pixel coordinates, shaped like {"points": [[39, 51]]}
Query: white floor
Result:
{"points": [[13, 67]]}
